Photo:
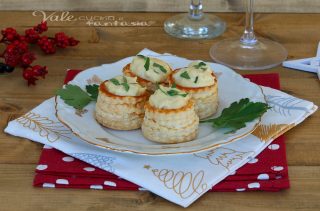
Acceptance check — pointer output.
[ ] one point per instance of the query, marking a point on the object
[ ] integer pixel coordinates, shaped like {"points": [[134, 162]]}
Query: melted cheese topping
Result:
{"points": [[163, 100], [197, 74], [155, 73], [116, 86]]}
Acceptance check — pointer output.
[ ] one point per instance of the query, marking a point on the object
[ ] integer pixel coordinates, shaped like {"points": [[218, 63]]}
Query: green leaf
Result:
{"points": [[173, 92], [74, 96], [199, 65], [147, 64], [141, 56], [238, 114], [124, 79], [93, 91], [125, 84], [115, 81], [196, 80], [174, 85], [160, 67], [185, 75]]}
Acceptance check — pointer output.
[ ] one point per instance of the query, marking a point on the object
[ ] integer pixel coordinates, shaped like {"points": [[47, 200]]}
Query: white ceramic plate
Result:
{"points": [[232, 87]]}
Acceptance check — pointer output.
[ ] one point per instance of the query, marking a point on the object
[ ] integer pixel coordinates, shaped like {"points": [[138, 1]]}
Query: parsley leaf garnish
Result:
{"points": [[141, 56], [74, 96], [173, 92], [237, 114], [147, 59], [160, 67], [125, 84], [115, 81], [199, 65], [196, 80], [93, 91], [147, 64], [185, 75]]}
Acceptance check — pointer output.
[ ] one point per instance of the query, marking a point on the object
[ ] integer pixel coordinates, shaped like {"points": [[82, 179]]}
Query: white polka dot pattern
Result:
{"points": [[263, 177], [254, 185], [273, 146], [253, 160], [96, 187], [277, 168], [110, 183], [42, 167], [48, 185], [240, 189], [89, 169], [68, 159], [62, 182]]}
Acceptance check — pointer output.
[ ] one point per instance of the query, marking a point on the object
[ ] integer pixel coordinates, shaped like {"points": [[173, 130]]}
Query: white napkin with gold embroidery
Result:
{"points": [[178, 178]]}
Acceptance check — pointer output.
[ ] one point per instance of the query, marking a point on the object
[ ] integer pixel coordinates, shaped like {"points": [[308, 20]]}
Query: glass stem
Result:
{"points": [[248, 37], [195, 9]]}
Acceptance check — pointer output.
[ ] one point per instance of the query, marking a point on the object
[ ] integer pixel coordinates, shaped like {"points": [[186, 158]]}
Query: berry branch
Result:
{"points": [[17, 52]]}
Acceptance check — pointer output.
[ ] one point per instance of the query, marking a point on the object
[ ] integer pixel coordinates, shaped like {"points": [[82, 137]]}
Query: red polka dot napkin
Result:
{"points": [[268, 171]]}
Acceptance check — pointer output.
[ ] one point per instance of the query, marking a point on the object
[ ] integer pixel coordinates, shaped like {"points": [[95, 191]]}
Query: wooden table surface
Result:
{"points": [[299, 33]]}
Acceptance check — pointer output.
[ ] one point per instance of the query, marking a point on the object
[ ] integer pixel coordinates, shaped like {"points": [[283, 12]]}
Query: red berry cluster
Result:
{"points": [[18, 54]]}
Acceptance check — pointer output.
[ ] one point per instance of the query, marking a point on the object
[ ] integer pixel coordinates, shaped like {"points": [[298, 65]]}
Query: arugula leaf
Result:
{"points": [[196, 80], [199, 65], [74, 96], [93, 91], [160, 67], [238, 113], [147, 64], [115, 81], [185, 75]]}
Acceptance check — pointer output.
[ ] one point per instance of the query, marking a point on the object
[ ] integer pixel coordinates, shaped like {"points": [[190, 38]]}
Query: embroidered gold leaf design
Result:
{"points": [[46, 127], [222, 156], [184, 184], [94, 80], [268, 132]]}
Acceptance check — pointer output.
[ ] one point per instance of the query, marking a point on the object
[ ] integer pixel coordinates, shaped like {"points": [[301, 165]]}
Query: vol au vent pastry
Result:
{"points": [[170, 117], [120, 103], [150, 71], [199, 80]]}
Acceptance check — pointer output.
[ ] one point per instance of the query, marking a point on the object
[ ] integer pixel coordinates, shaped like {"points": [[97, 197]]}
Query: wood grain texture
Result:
{"points": [[18, 157], [296, 6]]}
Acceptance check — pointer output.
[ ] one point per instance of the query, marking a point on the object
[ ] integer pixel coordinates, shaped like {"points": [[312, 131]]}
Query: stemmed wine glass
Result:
{"points": [[195, 25], [248, 52]]}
